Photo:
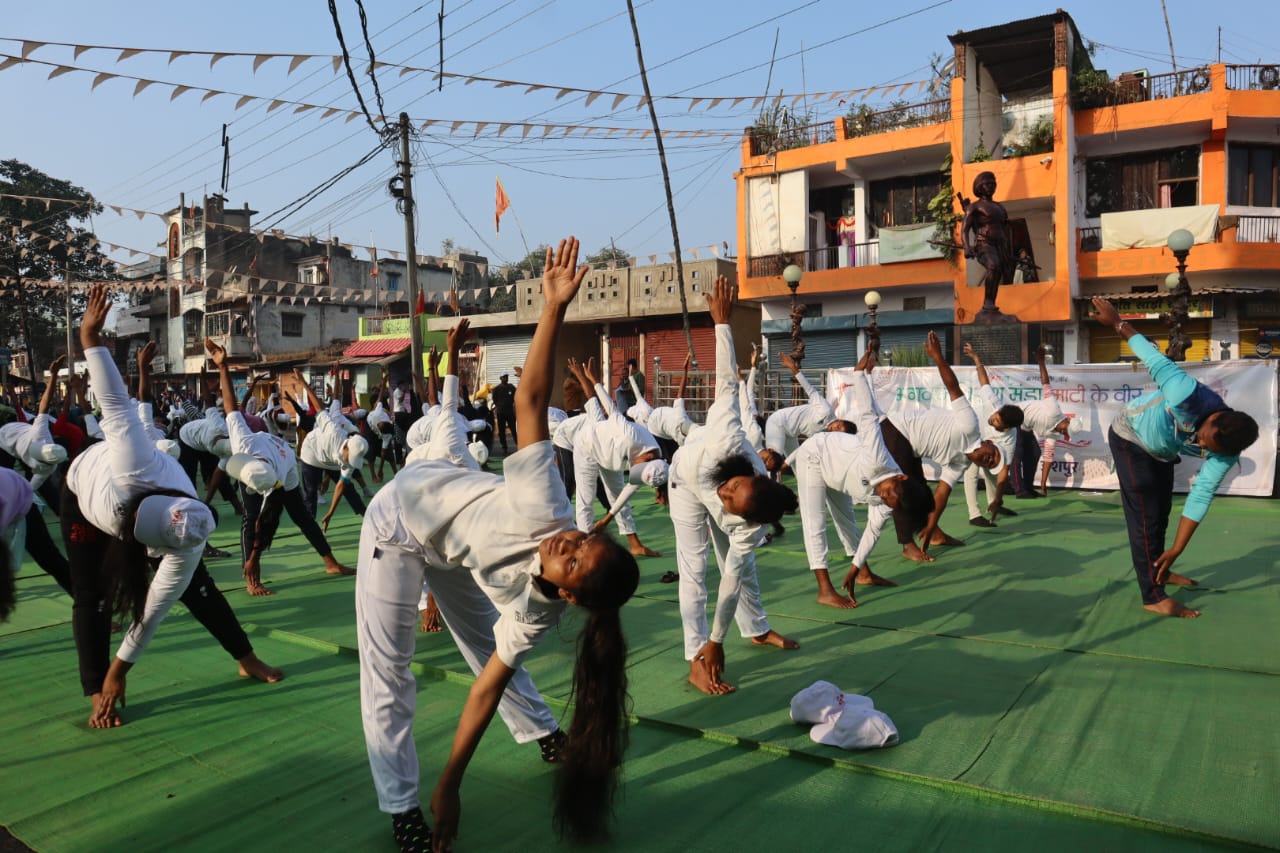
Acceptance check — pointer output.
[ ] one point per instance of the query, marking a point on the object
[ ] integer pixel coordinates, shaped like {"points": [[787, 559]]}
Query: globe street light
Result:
{"points": [[791, 275], [1180, 243], [873, 328]]}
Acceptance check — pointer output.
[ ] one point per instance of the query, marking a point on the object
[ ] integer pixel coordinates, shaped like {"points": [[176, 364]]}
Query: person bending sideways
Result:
{"points": [[267, 471], [833, 471], [127, 503], [504, 561], [720, 494], [998, 424], [1181, 417]]}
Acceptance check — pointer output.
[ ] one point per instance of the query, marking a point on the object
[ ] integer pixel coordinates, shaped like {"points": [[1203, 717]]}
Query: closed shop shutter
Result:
{"points": [[822, 350], [502, 354], [624, 343], [1259, 331], [910, 339], [670, 346], [1105, 347]]}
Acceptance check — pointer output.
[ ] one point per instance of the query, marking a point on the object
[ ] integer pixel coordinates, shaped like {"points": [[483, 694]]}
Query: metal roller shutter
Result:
{"points": [[624, 343], [502, 354], [670, 347], [1107, 347]]}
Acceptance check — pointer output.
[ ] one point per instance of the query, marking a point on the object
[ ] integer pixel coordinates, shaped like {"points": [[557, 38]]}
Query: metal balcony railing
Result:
{"points": [[1090, 239], [1258, 229], [912, 115], [775, 389], [814, 260], [1256, 77], [770, 140]]}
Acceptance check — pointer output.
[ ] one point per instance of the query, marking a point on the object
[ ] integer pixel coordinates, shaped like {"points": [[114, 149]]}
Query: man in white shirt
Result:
{"points": [[835, 470], [1043, 425], [204, 444], [999, 424], [331, 447], [721, 495], [32, 443], [783, 429], [950, 438]]}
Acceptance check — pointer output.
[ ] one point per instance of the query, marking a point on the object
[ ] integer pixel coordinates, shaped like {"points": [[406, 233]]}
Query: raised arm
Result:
{"points": [[597, 387], [218, 355], [1040, 362], [145, 356], [561, 279], [312, 399], [983, 379], [46, 399], [933, 348], [253, 384], [120, 421], [684, 377]]}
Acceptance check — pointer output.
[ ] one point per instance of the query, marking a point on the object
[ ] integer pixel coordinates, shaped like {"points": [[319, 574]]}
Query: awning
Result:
{"points": [[1164, 294], [382, 360], [377, 347]]}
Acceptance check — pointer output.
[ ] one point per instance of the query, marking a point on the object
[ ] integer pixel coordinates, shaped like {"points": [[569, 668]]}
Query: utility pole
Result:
{"points": [[411, 250], [666, 177], [71, 353]]}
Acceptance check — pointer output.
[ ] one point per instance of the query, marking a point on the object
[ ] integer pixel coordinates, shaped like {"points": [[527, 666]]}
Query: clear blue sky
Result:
{"points": [[142, 151]]}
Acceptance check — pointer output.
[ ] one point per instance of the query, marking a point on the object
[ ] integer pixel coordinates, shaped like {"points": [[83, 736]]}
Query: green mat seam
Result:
{"points": [[765, 747]]}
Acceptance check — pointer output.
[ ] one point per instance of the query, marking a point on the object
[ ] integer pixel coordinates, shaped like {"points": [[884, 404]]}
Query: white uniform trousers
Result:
{"points": [[816, 500], [387, 589], [693, 528], [971, 489], [585, 472]]}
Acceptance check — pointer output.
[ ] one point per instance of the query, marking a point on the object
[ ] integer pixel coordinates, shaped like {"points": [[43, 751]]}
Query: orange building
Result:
{"points": [[1094, 171]]}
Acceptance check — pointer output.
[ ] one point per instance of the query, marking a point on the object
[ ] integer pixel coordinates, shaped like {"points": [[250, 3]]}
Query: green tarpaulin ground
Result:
{"points": [[1039, 708]]}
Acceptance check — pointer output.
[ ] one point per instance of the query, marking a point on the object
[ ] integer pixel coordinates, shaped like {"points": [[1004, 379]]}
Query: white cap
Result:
{"points": [[256, 474], [168, 445], [358, 414], [1074, 426], [52, 454], [651, 473], [817, 703], [636, 413], [858, 726], [173, 523], [477, 425], [357, 447], [478, 452], [555, 417], [221, 447]]}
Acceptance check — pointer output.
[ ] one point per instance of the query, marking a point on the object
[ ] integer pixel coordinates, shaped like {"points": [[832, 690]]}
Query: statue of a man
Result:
{"points": [[985, 235]]}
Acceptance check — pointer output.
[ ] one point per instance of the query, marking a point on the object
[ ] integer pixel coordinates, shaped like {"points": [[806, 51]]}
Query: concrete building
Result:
{"points": [[1094, 170]]}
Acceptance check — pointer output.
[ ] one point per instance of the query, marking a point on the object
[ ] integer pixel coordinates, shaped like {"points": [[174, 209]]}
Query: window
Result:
{"points": [[291, 325], [1252, 175], [393, 280], [1144, 181], [903, 201], [694, 275], [647, 278], [913, 303]]}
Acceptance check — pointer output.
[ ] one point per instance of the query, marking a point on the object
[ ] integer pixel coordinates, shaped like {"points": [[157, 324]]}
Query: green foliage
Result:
{"points": [[910, 357], [609, 253], [979, 154], [777, 128], [501, 300], [1090, 88], [1037, 139], [50, 246], [945, 218]]}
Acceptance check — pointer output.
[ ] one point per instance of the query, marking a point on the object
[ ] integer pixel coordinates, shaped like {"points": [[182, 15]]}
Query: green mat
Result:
{"points": [[1038, 706]]}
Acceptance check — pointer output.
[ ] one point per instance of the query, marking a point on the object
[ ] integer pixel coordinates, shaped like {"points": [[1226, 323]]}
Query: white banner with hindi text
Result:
{"points": [[1094, 393]]}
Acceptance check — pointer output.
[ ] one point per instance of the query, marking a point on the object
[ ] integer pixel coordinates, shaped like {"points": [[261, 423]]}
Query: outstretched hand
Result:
{"points": [[561, 276], [95, 316], [933, 346], [789, 363], [589, 370], [971, 352], [1104, 312], [433, 358], [458, 335], [720, 300], [217, 352]]}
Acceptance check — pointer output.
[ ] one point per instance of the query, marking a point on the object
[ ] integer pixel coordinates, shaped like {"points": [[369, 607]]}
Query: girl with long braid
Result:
{"points": [[504, 560]]}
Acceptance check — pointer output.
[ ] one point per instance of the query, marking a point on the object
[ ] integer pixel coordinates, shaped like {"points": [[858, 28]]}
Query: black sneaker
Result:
{"points": [[669, 577], [1004, 510], [411, 832], [979, 521], [552, 746]]}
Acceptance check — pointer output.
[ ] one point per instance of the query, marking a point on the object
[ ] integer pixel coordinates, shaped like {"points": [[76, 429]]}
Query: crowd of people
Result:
{"points": [[500, 558]]}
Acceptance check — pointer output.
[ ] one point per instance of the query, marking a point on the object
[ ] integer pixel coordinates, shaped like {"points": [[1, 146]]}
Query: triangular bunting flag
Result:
{"points": [[142, 84], [217, 57], [258, 60], [174, 54], [127, 53], [57, 72], [591, 97], [242, 100], [100, 79]]}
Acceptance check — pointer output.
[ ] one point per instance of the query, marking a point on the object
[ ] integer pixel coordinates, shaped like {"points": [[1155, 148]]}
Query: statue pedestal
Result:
{"points": [[996, 343]]}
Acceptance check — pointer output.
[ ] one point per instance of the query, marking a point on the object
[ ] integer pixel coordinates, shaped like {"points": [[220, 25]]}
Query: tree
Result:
{"points": [[501, 300], [447, 246], [607, 254], [41, 242]]}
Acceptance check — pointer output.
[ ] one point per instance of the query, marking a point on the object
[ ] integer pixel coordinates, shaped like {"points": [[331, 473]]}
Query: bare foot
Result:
{"points": [[865, 577], [773, 638], [101, 718], [431, 617], [1180, 580], [333, 567], [700, 678], [912, 552], [1169, 607], [253, 579], [252, 667], [643, 551], [831, 598], [940, 538]]}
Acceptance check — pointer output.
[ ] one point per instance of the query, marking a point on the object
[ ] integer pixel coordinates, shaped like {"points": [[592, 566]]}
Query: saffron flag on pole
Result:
{"points": [[421, 307], [501, 203]]}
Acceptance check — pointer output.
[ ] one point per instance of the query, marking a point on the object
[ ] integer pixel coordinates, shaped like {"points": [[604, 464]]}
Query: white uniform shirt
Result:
{"points": [[747, 403], [378, 416], [985, 404], [1040, 417], [784, 427], [614, 442], [322, 448], [942, 436], [567, 432], [488, 525], [23, 441], [106, 476], [670, 422], [203, 433], [273, 450], [448, 441], [419, 432]]}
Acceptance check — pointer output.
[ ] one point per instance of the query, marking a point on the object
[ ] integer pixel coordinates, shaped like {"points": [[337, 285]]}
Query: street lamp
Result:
{"points": [[791, 275], [1048, 354], [1226, 349], [873, 328], [1180, 243]]}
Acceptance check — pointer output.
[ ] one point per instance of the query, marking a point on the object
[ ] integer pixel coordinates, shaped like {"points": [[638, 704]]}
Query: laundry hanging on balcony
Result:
{"points": [[1150, 229], [900, 243]]}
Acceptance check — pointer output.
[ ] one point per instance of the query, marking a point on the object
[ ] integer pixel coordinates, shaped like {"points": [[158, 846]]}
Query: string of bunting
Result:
{"points": [[121, 210], [13, 287], [296, 60]]}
